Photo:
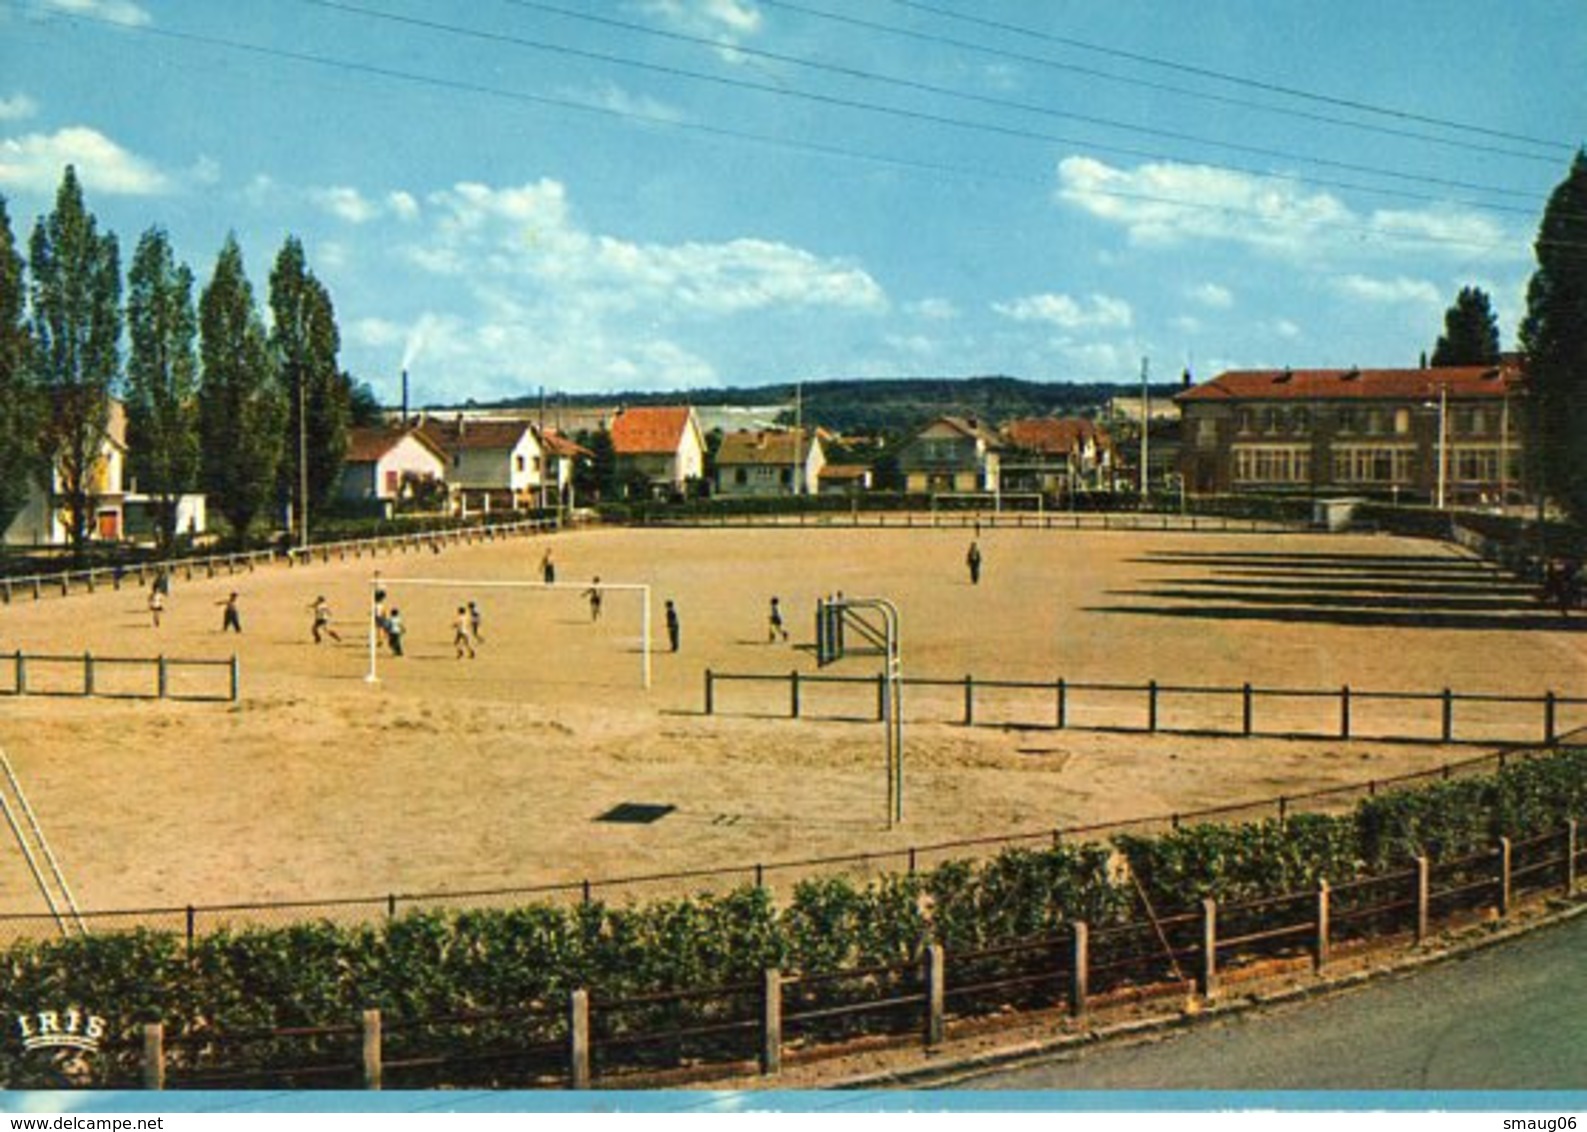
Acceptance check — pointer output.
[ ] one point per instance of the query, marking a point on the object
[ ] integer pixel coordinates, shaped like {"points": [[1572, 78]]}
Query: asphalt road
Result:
{"points": [[1508, 1017]]}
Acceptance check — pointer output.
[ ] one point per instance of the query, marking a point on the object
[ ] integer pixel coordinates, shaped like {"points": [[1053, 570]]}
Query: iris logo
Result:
{"points": [[72, 1028]]}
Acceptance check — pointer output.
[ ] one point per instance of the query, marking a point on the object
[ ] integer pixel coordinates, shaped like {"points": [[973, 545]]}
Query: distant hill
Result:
{"points": [[896, 405]]}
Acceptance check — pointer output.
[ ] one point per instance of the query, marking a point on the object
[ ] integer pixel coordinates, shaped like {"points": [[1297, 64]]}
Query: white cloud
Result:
{"points": [[1387, 291], [345, 204], [115, 11], [528, 232], [402, 205], [934, 310], [1188, 324], [1284, 328], [729, 20], [1097, 312], [17, 107], [35, 162], [1212, 295], [610, 96], [1163, 204]]}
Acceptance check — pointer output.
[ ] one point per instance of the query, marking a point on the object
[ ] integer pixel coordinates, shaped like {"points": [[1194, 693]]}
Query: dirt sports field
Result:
{"points": [[453, 774]]}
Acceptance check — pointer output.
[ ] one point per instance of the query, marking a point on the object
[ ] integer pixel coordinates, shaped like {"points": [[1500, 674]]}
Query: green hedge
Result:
{"points": [[440, 962]]}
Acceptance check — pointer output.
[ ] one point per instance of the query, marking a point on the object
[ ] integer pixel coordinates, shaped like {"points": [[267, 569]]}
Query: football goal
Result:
{"points": [[435, 599]]}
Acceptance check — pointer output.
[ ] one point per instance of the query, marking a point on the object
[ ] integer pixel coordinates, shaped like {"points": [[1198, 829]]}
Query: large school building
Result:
{"points": [[1443, 435]]}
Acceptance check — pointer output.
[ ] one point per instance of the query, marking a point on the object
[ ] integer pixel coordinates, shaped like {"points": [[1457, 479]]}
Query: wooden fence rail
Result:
{"points": [[1153, 700], [63, 583], [1076, 970], [83, 674]]}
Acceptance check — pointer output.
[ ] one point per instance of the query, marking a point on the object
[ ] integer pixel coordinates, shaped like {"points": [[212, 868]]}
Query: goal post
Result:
{"points": [[382, 581], [994, 501]]}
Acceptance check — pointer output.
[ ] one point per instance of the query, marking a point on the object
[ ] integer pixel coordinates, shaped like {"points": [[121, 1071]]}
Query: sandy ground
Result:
{"points": [[454, 774]]}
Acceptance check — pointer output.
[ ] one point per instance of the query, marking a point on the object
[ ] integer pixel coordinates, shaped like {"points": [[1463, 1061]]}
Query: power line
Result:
{"points": [[839, 152], [1239, 80], [920, 115], [1147, 84]]}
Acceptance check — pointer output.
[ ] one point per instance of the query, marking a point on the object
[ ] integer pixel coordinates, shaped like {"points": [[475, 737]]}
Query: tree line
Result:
{"points": [[255, 419]]}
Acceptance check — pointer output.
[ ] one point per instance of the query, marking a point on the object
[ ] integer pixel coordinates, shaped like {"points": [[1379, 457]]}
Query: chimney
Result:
{"points": [[405, 395], [460, 426]]}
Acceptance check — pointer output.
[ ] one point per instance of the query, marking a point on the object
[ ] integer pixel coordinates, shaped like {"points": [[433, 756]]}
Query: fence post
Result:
{"points": [[969, 700], [1570, 857], [154, 1055], [88, 673], [1423, 894], [163, 676], [236, 677], [936, 985], [1449, 716], [22, 674], [771, 1022], [1344, 712], [1151, 705], [1245, 709], [1548, 719], [710, 693], [1209, 948], [1323, 925], [579, 1039], [1506, 856], [793, 694], [881, 697], [1063, 704], [372, 1065], [1079, 968]]}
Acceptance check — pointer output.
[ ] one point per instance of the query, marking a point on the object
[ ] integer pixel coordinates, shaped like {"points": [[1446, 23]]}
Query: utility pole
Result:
{"points": [[303, 460], [1146, 431], [1443, 442]]}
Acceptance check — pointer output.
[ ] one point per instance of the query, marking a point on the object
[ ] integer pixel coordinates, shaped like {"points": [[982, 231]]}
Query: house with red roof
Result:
{"points": [[1444, 434], [661, 444], [491, 463], [389, 463], [1055, 455]]}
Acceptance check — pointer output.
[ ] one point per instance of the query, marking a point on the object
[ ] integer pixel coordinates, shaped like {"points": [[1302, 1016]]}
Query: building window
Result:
{"points": [[518, 460], [1272, 464], [1374, 464], [1402, 422], [1247, 421], [1349, 421], [740, 476], [1300, 420]]}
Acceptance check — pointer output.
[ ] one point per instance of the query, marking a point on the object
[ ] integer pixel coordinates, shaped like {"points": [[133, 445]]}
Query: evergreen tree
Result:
{"points": [[1553, 338], [240, 409], [19, 401], [76, 299], [304, 342], [162, 380], [1471, 332]]}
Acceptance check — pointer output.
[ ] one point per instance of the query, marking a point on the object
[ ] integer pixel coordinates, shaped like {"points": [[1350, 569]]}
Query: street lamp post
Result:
{"points": [[1443, 442]]}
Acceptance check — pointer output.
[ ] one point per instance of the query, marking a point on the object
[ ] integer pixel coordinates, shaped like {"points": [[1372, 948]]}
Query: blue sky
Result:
{"points": [[658, 194]]}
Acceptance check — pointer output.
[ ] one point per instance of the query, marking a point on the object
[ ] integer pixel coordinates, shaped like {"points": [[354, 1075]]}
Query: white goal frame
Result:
{"points": [[995, 498], [380, 581]]}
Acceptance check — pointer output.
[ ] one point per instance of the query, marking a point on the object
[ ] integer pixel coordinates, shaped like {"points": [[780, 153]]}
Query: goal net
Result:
{"points": [[528, 621]]}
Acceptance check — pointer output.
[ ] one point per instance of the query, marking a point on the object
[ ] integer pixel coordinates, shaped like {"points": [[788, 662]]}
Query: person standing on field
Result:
{"points": [[460, 634], [473, 622], [156, 604], [973, 561], [672, 626], [394, 632], [230, 618], [774, 625], [548, 569], [594, 596]]}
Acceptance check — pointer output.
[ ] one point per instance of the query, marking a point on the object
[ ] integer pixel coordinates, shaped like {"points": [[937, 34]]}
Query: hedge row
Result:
{"points": [[424, 964]]}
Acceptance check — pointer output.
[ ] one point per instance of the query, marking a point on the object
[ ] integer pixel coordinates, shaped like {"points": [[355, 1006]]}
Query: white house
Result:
{"points": [[663, 444], [490, 463], [382, 463], [43, 520], [770, 462]]}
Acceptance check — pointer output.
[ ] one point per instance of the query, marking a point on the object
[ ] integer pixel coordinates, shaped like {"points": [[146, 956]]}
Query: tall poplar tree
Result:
{"points": [[162, 380], [240, 409], [304, 342], [1554, 341], [75, 278], [1471, 332], [19, 402]]}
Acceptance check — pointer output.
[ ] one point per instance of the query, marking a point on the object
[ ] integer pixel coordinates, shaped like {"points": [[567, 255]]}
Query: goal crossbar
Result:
{"points": [[641, 588]]}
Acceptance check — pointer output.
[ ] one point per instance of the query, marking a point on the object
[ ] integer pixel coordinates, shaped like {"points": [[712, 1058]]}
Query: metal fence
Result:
{"points": [[587, 1037], [64, 583], [123, 677], [988, 520], [1344, 713], [194, 920]]}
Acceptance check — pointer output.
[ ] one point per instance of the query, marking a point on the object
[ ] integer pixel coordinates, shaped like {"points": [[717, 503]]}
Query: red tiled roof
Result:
{"points": [[1054, 436], [475, 435], [649, 430], [845, 471], [1351, 384], [967, 426], [776, 446], [558, 445]]}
